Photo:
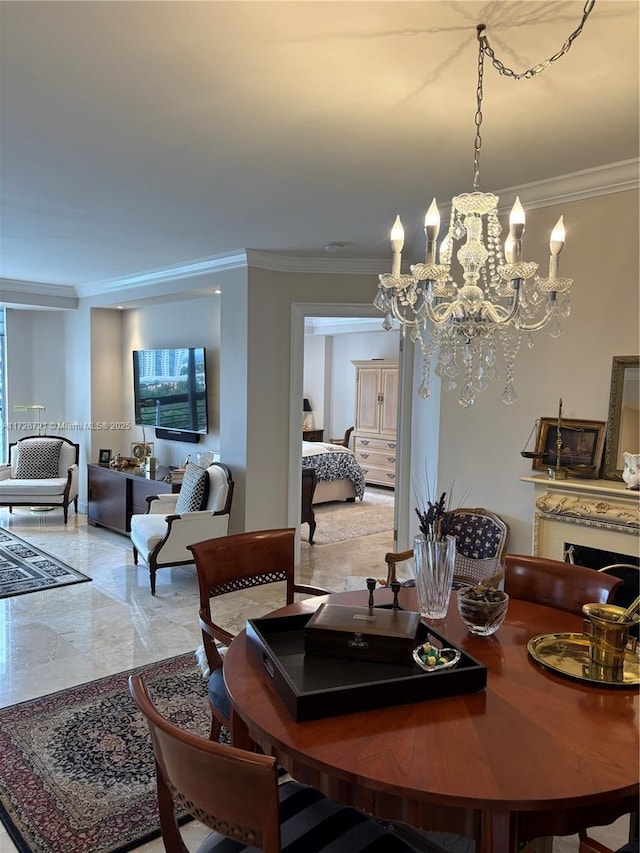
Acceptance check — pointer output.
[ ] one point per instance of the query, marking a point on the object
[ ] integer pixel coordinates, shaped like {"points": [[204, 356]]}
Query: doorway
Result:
{"points": [[351, 320]]}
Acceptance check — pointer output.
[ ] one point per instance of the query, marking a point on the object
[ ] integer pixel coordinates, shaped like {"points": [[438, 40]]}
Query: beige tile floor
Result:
{"points": [[67, 636]]}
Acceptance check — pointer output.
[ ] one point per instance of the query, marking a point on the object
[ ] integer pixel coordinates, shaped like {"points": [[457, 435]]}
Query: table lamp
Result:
{"points": [[306, 408]]}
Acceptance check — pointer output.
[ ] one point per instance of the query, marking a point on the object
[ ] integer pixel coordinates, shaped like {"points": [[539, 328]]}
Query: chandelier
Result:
{"points": [[499, 296]]}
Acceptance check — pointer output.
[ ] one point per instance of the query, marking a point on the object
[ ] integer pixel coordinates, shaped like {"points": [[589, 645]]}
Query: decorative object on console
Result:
{"points": [[580, 448], [141, 449], [631, 471], [499, 299], [104, 457]]}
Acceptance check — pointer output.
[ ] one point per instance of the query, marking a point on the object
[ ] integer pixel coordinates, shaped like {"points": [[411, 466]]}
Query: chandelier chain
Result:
{"points": [[484, 48], [477, 145], [531, 72]]}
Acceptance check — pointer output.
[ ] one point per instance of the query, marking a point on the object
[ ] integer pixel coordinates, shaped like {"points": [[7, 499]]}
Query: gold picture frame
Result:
{"points": [[581, 451]]}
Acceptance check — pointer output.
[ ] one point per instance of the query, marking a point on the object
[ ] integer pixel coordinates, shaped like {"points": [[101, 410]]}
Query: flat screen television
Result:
{"points": [[170, 389]]}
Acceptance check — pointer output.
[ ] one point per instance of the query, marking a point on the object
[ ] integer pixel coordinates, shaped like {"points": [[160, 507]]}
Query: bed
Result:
{"points": [[338, 475]]}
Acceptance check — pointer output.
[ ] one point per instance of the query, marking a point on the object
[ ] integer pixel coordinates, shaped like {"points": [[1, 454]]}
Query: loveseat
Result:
{"points": [[42, 471]]}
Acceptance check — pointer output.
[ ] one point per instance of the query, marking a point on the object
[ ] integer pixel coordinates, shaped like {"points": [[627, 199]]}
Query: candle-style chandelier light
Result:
{"points": [[500, 296]]}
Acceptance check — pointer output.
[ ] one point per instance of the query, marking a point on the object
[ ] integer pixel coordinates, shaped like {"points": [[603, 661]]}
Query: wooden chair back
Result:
{"points": [[556, 584], [237, 562], [344, 441], [232, 791], [481, 542]]}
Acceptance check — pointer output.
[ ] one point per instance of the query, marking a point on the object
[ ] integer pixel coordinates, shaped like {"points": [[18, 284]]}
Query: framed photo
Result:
{"points": [[141, 449], [582, 446], [104, 457]]}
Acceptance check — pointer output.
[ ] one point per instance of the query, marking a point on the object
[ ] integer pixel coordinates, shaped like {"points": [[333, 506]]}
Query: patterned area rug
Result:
{"points": [[339, 520], [77, 773], [24, 568]]}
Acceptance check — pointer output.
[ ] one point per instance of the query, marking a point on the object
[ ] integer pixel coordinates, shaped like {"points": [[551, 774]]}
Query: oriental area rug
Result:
{"points": [[25, 568], [77, 772]]}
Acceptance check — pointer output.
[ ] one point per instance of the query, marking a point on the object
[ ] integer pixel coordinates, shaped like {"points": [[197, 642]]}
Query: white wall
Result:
{"points": [[480, 446]]}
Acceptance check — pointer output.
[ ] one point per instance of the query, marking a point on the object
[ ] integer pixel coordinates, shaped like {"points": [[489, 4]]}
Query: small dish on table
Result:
{"points": [[432, 659]]}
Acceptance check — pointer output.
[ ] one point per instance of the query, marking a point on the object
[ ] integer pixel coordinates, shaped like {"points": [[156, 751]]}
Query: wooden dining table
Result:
{"points": [[534, 754]]}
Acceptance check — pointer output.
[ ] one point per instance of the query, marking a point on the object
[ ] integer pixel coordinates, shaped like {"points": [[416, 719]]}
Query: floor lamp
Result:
{"points": [[35, 407]]}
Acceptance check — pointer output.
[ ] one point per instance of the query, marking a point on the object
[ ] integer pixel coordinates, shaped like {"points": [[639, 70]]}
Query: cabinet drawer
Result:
{"points": [[363, 442], [375, 458], [379, 476]]}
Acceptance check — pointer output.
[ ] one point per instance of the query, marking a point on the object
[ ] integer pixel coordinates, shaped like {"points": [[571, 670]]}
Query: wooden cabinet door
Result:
{"points": [[368, 402], [108, 499], [389, 401]]}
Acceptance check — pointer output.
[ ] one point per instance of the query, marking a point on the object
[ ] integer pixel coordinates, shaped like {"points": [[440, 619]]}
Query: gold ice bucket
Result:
{"points": [[609, 639]]}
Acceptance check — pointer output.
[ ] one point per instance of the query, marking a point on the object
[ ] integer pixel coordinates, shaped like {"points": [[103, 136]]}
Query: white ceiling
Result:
{"points": [[141, 136]]}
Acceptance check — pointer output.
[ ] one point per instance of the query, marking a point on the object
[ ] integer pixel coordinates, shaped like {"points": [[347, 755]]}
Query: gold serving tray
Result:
{"points": [[568, 654]]}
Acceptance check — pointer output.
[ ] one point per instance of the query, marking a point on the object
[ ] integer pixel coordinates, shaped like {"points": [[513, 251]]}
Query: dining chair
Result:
{"points": [[554, 583], [590, 845], [236, 794], [629, 574], [481, 538], [229, 564]]}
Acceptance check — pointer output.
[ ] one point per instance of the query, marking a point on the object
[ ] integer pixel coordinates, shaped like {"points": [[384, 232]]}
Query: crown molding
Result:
{"points": [[295, 263], [589, 183], [34, 294], [191, 269]]}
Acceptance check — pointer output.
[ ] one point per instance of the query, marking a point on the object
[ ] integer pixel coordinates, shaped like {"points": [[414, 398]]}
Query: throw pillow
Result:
{"points": [[38, 460], [194, 490]]}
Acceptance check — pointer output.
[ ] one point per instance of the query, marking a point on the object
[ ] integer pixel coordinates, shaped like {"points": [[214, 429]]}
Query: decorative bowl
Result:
{"points": [[432, 659], [482, 609]]}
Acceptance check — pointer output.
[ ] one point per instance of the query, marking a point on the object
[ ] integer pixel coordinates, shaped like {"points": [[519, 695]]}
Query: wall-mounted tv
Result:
{"points": [[170, 389]]}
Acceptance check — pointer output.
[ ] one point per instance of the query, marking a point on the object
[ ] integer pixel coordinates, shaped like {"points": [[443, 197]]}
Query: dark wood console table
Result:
{"points": [[313, 435], [114, 496]]}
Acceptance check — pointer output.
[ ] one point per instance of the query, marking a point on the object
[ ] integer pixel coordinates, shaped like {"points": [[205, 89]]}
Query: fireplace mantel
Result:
{"points": [[600, 514]]}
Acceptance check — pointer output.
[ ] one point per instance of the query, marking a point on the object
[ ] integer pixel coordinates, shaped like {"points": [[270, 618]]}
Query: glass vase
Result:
{"points": [[435, 562]]}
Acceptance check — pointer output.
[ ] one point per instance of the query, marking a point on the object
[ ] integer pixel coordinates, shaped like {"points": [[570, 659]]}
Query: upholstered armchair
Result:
{"points": [[42, 471], [173, 522]]}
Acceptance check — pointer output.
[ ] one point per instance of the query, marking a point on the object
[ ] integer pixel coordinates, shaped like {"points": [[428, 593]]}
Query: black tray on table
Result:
{"points": [[313, 686]]}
